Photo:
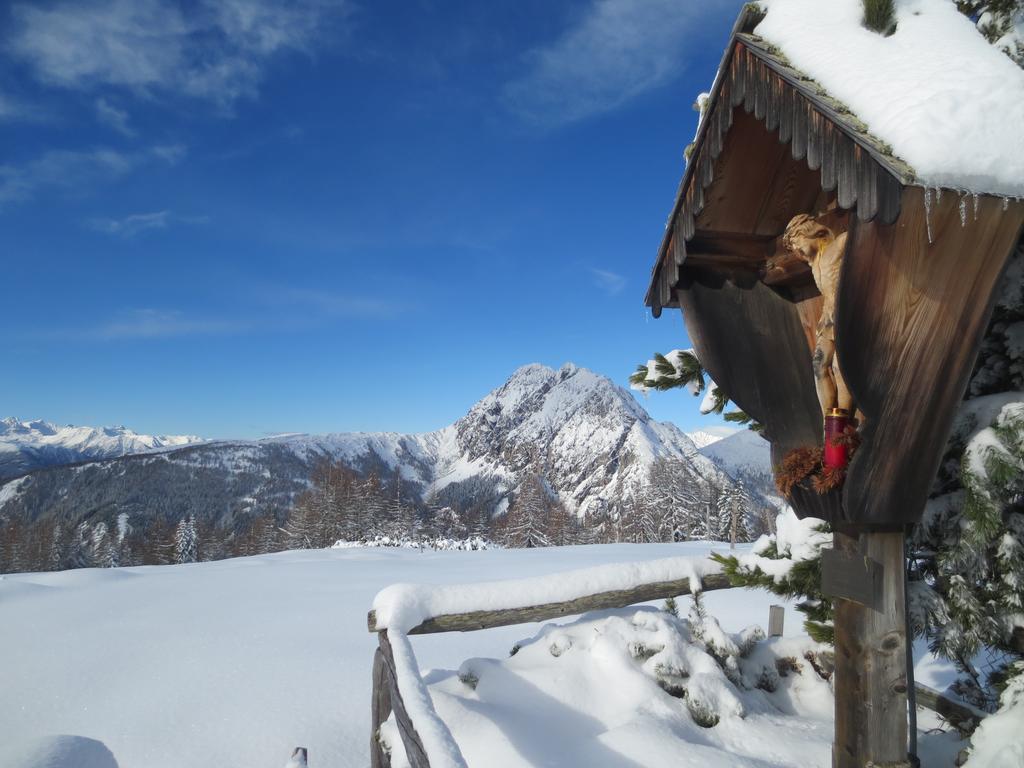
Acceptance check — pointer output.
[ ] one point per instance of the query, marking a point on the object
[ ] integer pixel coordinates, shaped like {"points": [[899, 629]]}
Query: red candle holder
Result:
{"points": [[837, 452]]}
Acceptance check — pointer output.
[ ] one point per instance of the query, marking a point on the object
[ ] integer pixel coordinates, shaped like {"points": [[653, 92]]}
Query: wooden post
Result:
{"points": [[871, 667], [380, 710], [776, 616]]}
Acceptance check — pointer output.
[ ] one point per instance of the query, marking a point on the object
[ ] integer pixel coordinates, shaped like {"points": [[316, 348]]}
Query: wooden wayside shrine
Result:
{"points": [[915, 292]]}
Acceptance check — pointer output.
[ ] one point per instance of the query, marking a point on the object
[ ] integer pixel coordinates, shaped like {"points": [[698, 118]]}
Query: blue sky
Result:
{"points": [[242, 217]]}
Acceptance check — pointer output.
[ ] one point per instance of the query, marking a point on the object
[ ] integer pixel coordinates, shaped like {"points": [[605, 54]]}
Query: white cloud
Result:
{"points": [[216, 51], [61, 168], [616, 51], [611, 283], [116, 118], [326, 304], [157, 323], [133, 224]]}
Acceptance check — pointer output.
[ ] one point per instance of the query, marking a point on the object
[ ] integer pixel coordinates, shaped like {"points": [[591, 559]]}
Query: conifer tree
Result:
{"points": [[526, 522], [186, 541]]}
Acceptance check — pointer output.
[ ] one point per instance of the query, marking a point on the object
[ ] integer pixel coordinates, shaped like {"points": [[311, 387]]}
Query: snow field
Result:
{"points": [[237, 662]]}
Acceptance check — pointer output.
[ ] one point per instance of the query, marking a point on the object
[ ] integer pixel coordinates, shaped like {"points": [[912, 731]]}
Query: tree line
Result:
{"points": [[341, 504]]}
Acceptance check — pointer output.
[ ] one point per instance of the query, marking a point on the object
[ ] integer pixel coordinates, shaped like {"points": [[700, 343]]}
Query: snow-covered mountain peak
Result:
{"points": [[578, 429], [702, 438], [27, 445]]}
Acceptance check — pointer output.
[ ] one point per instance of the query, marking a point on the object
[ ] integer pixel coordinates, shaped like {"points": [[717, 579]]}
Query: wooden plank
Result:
{"points": [[815, 136], [774, 105], [380, 710], [909, 322], [752, 342], [738, 69], [851, 577], [867, 192], [752, 248], [414, 750], [871, 675], [725, 261], [470, 622], [961, 715], [761, 91], [810, 308], [798, 143], [750, 97], [846, 171], [829, 159], [785, 269]]}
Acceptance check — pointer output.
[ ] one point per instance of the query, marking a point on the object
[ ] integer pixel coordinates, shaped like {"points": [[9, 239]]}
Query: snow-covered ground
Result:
{"points": [[236, 662]]}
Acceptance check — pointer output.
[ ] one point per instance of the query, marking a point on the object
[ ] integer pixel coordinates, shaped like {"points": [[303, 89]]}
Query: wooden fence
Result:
{"points": [[389, 696]]}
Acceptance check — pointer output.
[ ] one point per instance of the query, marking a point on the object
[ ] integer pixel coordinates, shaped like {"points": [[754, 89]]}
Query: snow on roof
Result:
{"points": [[948, 103]]}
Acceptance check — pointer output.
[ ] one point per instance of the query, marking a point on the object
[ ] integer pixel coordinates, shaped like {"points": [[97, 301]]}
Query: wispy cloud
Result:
{"points": [[611, 283], [66, 169], [12, 109], [158, 324], [617, 50], [313, 304], [114, 117], [129, 226], [217, 51]]}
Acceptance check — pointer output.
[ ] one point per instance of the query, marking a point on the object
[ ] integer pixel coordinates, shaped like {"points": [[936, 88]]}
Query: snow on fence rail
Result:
{"points": [[415, 609]]}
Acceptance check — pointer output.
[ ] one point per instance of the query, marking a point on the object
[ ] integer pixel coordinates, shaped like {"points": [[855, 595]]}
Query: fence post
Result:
{"points": [[776, 616]]}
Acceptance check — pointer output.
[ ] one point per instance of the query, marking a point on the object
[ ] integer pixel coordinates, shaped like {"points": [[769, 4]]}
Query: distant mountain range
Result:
{"points": [[29, 445], [746, 457], [589, 440]]}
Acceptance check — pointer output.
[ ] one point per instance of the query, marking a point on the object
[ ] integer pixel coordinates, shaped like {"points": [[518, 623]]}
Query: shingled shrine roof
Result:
{"points": [[865, 171]]}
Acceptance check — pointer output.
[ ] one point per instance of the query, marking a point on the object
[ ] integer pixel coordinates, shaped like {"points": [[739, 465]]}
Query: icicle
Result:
{"points": [[976, 203], [1006, 203], [938, 195], [928, 212], [963, 210]]}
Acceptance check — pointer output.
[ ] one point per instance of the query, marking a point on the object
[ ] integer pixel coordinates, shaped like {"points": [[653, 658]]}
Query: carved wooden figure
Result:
{"points": [[817, 245]]}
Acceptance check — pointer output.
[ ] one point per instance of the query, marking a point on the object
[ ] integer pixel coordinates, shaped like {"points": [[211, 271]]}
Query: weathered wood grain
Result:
{"points": [[753, 343], [909, 320], [776, 619], [870, 676], [380, 710], [807, 123], [414, 750], [470, 622]]}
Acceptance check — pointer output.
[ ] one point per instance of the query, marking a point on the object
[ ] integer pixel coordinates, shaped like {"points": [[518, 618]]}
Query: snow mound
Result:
{"points": [[945, 100], [685, 693], [795, 541], [58, 752]]}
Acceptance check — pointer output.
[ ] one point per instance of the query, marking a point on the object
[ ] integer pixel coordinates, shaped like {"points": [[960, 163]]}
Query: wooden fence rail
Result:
{"points": [[388, 696], [470, 622]]}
